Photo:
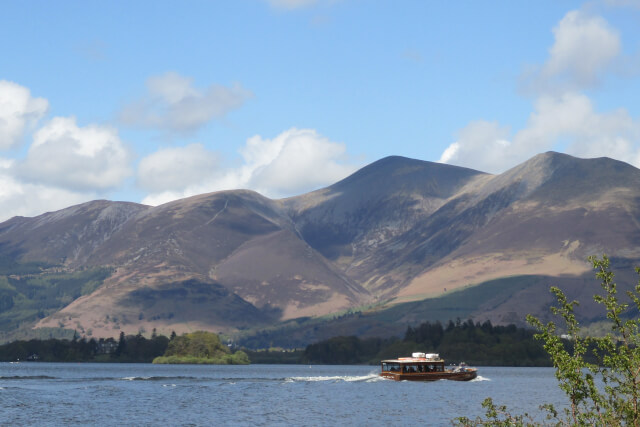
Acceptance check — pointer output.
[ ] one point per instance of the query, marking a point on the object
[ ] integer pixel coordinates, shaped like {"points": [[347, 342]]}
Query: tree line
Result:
{"points": [[127, 348], [192, 348], [475, 343]]}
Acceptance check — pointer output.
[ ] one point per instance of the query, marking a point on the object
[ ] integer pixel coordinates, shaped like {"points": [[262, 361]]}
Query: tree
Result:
{"points": [[122, 343], [617, 363]]}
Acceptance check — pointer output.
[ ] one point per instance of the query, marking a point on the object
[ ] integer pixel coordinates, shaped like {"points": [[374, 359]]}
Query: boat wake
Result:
{"points": [[28, 377], [480, 378], [369, 378], [156, 378]]}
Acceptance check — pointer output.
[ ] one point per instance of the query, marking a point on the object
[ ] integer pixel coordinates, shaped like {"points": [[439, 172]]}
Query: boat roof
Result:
{"points": [[413, 360]]}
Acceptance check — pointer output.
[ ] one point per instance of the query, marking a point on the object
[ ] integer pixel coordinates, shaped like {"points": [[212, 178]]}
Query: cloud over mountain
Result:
{"points": [[26, 199], [176, 168], [585, 48], [571, 117], [64, 164], [295, 161], [63, 154]]}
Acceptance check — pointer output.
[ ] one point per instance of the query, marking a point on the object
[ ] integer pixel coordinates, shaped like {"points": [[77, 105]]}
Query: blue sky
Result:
{"points": [[149, 101]]}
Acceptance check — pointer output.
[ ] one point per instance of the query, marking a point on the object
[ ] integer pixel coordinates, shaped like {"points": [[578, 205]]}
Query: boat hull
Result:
{"points": [[467, 375]]}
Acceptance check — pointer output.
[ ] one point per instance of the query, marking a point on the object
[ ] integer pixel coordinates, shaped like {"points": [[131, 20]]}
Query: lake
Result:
{"points": [[253, 395]]}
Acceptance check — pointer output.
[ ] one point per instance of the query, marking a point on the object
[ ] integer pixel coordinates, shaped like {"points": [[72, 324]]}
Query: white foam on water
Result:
{"points": [[134, 378], [480, 378], [168, 385], [345, 378]]}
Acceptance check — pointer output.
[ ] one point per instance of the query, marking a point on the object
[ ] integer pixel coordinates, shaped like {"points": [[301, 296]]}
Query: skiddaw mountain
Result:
{"points": [[394, 234]]}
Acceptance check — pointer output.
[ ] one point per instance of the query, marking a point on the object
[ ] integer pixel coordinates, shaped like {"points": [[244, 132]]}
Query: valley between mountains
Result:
{"points": [[399, 242]]}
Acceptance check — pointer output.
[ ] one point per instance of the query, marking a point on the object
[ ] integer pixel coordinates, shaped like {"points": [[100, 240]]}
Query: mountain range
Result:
{"points": [[396, 235]]}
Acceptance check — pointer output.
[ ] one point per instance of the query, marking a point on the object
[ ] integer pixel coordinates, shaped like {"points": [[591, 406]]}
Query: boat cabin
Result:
{"points": [[418, 362], [412, 366], [423, 367]]}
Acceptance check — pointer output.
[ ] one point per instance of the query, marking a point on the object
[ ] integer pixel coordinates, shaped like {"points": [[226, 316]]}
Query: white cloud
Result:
{"points": [[173, 169], [568, 118], [64, 165], [91, 158], [18, 112], [25, 199], [585, 46], [481, 145], [296, 161], [173, 104]]}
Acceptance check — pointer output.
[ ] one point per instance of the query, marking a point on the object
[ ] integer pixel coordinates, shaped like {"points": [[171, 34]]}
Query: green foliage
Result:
{"points": [[237, 358], [199, 344], [200, 347], [617, 361], [8, 266], [29, 293], [497, 416]]}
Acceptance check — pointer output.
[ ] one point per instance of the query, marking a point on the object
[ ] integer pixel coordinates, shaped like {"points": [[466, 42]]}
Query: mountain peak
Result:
{"points": [[401, 171], [562, 176]]}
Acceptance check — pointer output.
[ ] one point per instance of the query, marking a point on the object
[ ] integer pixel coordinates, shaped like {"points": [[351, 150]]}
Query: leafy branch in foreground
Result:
{"points": [[617, 365]]}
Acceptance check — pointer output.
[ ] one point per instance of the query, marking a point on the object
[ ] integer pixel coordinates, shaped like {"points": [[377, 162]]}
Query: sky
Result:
{"points": [[152, 101]]}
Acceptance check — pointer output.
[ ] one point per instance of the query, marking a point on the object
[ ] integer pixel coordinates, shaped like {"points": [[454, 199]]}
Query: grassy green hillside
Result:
{"points": [[30, 292]]}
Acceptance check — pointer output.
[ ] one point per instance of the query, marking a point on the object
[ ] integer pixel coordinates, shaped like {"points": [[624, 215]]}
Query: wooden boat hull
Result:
{"points": [[467, 375]]}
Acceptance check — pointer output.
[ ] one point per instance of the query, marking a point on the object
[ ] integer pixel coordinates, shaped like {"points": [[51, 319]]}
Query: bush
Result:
{"points": [[617, 364], [200, 347]]}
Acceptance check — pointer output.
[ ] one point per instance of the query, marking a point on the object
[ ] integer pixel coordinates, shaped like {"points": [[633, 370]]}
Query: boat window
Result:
{"points": [[391, 367]]}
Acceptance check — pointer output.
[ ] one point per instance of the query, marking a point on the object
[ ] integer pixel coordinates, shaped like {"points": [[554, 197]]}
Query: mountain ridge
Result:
{"points": [[397, 230]]}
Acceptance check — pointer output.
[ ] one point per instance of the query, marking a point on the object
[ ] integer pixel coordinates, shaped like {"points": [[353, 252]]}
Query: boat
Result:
{"points": [[425, 367]]}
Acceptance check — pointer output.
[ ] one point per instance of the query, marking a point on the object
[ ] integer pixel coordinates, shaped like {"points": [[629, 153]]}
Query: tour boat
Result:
{"points": [[424, 367]]}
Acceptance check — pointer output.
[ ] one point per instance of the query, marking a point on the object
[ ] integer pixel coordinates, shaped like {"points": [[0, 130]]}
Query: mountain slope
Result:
{"points": [[562, 210], [195, 240], [358, 223], [396, 231], [69, 236]]}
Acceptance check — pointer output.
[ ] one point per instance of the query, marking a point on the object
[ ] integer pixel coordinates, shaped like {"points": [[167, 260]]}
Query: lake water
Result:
{"points": [[254, 395]]}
